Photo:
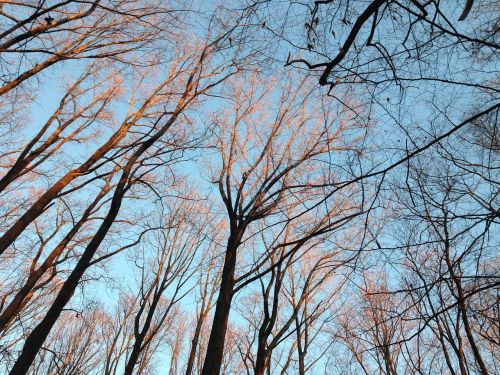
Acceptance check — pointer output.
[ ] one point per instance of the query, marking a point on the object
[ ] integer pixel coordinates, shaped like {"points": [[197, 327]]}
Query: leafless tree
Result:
{"points": [[178, 194], [36, 35], [165, 280], [270, 176], [192, 71]]}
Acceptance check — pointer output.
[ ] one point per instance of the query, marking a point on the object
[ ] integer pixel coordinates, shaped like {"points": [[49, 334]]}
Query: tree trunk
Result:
{"points": [[139, 336], [215, 348], [461, 304], [260, 361], [300, 351], [194, 345], [23, 295], [37, 337], [134, 356], [302, 365]]}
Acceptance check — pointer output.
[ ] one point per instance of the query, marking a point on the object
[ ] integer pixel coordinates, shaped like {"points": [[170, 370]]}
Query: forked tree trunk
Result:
{"points": [[134, 356], [140, 336]]}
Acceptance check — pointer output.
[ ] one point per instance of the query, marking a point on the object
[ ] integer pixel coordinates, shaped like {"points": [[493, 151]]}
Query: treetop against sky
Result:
{"points": [[266, 187]]}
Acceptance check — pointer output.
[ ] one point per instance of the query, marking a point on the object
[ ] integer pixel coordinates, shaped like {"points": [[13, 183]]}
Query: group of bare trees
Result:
{"points": [[264, 187]]}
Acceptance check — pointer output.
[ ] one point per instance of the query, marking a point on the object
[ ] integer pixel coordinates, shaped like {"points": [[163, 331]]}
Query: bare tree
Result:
{"points": [[36, 35], [165, 280], [271, 175], [178, 194], [197, 81], [75, 346]]}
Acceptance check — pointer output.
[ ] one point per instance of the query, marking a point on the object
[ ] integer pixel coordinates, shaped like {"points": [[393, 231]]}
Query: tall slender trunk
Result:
{"points": [[440, 336], [194, 344], [41, 203], [302, 363], [140, 334], [459, 348], [300, 350], [23, 294], [389, 364], [37, 337], [461, 304], [215, 348]]}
